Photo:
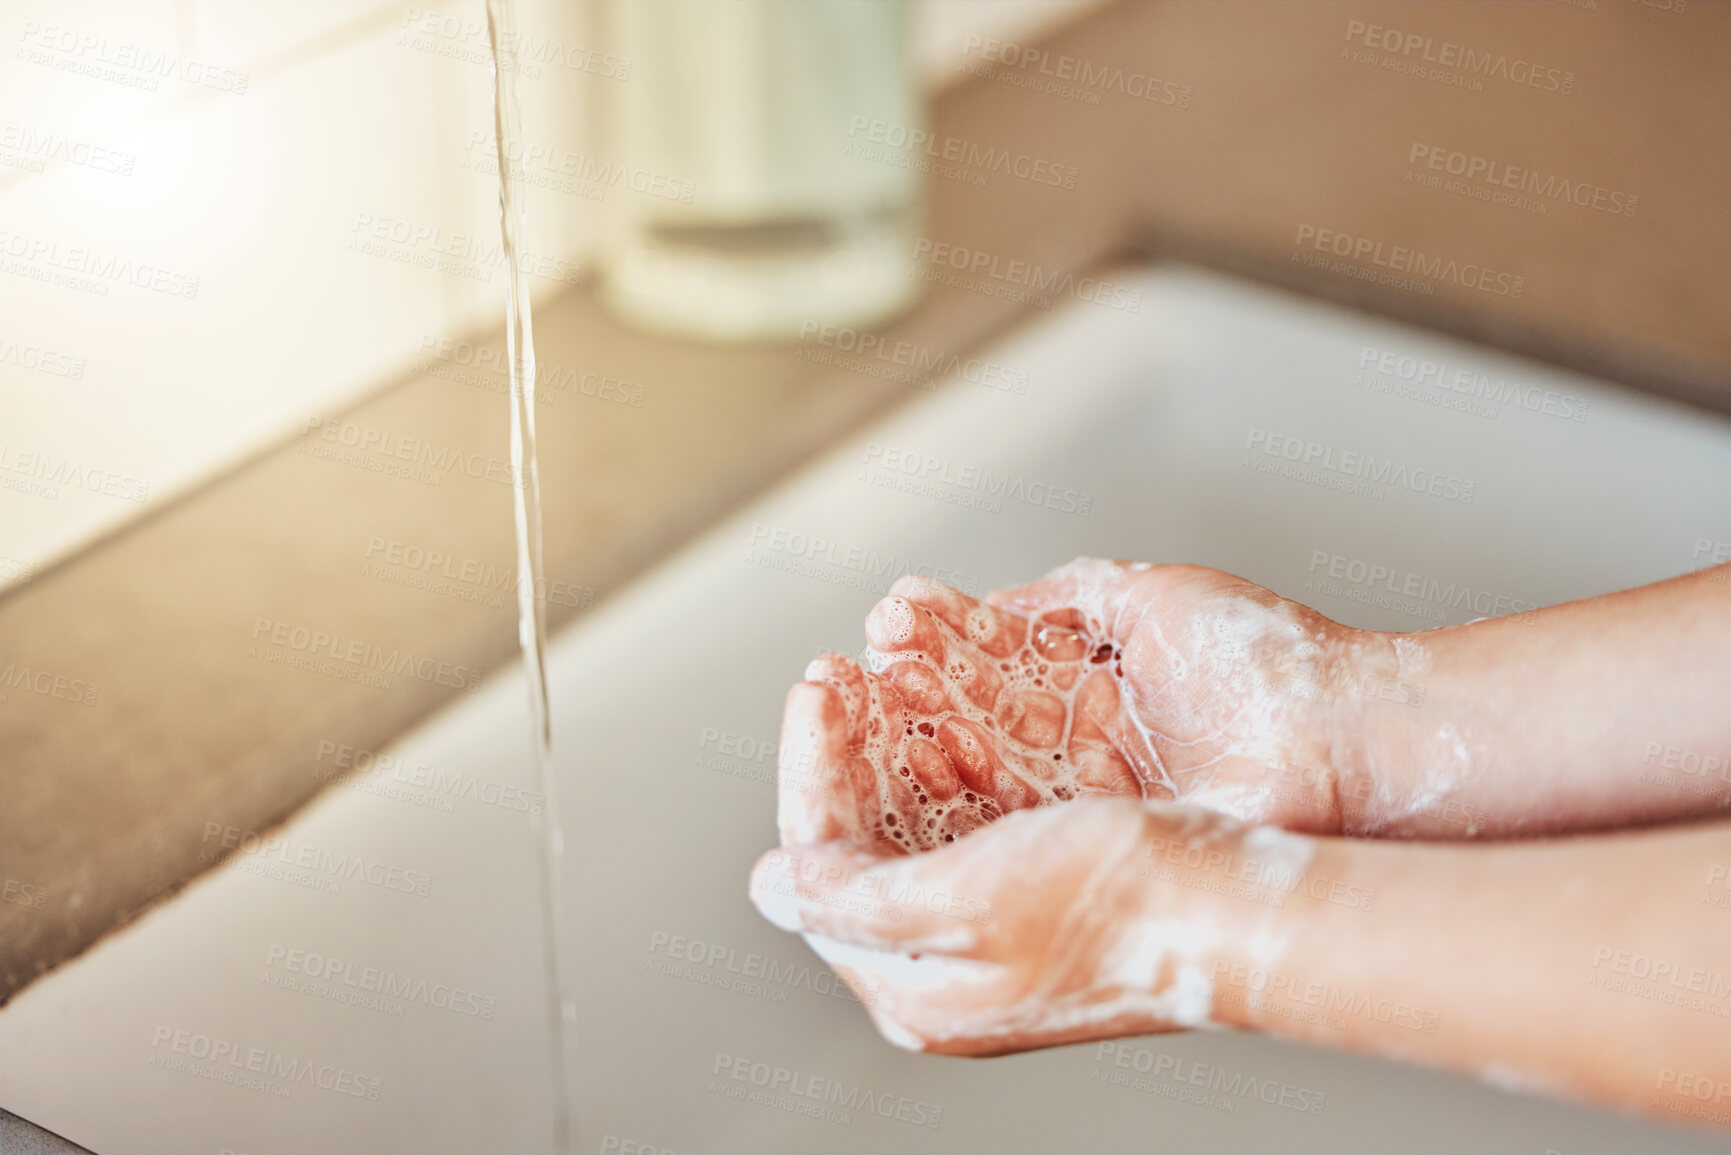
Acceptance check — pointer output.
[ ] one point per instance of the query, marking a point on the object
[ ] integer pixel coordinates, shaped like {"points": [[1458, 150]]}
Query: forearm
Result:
{"points": [[1588, 715], [1597, 967]]}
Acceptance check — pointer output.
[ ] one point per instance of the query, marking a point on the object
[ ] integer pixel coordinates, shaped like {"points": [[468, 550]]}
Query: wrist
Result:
{"points": [[1220, 900], [1305, 970], [1369, 735]]}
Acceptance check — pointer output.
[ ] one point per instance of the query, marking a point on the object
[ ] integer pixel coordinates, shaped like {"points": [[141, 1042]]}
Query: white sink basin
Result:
{"points": [[1143, 435]]}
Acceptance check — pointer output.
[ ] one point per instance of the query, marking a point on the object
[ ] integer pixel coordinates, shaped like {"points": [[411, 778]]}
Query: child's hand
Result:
{"points": [[972, 712], [969, 929], [1051, 926], [1246, 702], [1101, 678]]}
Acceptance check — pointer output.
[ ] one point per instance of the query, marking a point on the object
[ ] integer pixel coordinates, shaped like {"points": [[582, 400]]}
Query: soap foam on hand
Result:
{"points": [[969, 712], [1050, 927]]}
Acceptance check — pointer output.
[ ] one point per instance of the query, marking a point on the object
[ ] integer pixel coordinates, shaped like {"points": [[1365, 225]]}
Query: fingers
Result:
{"points": [[819, 784], [919, 1003], [908, 905], [843, 675], [993, 945], [1033, 717], [932, 770], [961, 822], [897, 626], [900, 829], [1108, 753], [920, 686], [1102, 770], [1093, 757], [971, 752], [1098, 766], [964, 899], [1101, 589], [996, 631], [874, 706], [1061, 635]]}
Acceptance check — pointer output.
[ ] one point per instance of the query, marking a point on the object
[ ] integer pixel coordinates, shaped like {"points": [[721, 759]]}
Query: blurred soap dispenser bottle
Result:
{"points": [[770, 199]]}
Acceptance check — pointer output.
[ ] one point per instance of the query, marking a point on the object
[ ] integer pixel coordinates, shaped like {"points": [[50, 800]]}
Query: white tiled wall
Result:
{"points": [[221, 217]]}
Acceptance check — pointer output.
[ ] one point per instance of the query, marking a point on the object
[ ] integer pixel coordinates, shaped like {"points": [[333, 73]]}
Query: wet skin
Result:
{"points": [[1028, 823]]}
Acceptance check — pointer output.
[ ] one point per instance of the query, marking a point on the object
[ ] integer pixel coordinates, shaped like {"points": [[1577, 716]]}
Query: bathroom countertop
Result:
{"points": [[22, 1137]]}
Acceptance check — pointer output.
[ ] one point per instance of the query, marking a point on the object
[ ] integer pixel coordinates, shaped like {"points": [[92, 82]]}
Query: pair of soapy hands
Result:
{"points": [[1010, 926]]}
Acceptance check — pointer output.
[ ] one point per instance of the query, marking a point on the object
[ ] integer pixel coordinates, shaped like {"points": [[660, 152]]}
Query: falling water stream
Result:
{"points": [[526, 499]]}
